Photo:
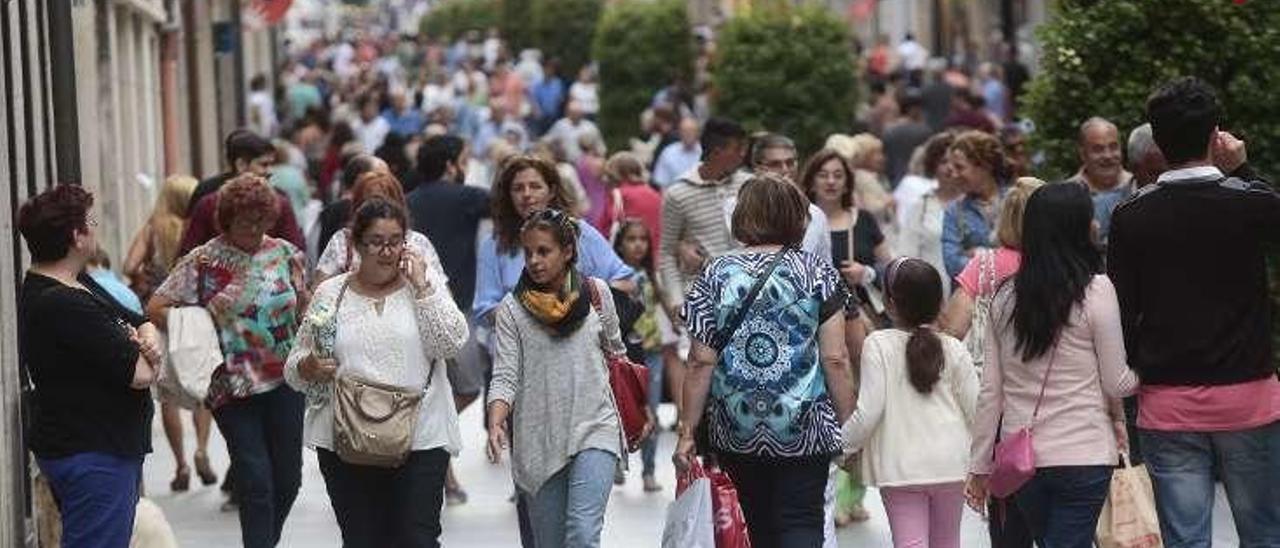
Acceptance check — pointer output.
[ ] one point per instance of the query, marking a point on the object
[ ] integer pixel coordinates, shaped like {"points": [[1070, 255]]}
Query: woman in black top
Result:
{"points": [[91, 362], [858, 247]]}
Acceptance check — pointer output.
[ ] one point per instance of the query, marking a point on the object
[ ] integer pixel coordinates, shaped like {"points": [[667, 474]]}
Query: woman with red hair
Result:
{"points": [[339, 256], [253, 286]]}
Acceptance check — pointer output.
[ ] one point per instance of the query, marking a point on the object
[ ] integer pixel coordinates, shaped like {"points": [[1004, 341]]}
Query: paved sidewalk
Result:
{"points": [[488, 520]]}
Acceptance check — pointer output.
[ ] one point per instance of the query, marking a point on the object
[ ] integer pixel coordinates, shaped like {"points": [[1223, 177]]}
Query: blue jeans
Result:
{"points": [[649, 448], [1062, 503], [97, 495], [264, 437], [568, 510], [1183, 466]]}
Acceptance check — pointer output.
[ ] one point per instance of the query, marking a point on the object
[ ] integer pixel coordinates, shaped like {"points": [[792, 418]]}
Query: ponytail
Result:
{"points": [[915, 292], [924, 359]]}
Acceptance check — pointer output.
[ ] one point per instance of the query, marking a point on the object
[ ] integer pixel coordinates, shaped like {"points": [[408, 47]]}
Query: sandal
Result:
{"points": [[204, 470], [181, 480]]}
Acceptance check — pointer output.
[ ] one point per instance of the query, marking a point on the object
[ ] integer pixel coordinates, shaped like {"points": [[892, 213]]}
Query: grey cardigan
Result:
{"points": [[558, 389]]}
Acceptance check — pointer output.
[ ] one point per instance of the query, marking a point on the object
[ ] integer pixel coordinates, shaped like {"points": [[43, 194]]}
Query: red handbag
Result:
{"points": [[630, 384]]}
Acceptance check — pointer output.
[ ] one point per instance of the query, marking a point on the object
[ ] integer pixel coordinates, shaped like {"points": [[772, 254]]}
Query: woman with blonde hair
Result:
{"points": [[151, 255]]}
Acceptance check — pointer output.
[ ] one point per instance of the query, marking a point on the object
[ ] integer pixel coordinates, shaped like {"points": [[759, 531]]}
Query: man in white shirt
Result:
{"points": [[678, 158], [370, 128], [262, 108], [570, 129], [776, 154], [913, 55]]}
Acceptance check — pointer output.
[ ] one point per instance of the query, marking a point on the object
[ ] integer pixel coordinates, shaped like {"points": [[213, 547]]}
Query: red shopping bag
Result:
{"points": [[731, 524]]}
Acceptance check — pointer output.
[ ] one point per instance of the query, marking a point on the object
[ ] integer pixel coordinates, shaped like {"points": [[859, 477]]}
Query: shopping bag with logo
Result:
{"points": [[690, 519], [731, 524], [1129, 517]]}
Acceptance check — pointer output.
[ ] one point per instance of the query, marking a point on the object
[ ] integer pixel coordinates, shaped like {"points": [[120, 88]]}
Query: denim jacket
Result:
{"points": [[964, 227]]}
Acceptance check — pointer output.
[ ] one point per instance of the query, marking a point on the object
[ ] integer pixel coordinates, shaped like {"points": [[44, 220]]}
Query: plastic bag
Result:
{"points": [[1128, 518], [690, 518], [731, 524]]}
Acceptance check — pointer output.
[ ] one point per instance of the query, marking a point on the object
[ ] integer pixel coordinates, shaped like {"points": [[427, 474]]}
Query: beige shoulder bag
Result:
{"points": [[373, 423]]}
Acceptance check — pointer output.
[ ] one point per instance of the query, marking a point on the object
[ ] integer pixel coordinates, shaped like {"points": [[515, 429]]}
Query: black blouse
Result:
{"points": [[866, 236], [77, 348]]}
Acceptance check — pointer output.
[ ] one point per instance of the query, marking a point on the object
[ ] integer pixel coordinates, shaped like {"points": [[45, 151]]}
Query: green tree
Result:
{"points": [[789, 71], [516, 24], [452, 18], [565, 29], [1104, 59], [640, 46]]}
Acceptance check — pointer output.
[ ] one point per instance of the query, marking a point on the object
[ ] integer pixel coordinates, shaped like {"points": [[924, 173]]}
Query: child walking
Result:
{"points": [[915, 412], [634, 244]]}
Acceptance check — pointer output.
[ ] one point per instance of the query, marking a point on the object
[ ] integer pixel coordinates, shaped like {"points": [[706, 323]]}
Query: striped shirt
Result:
{"points": [[697, 212]]}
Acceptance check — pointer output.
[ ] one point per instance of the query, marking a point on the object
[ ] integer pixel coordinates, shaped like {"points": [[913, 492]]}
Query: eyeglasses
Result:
{"points": [[383, 246]]}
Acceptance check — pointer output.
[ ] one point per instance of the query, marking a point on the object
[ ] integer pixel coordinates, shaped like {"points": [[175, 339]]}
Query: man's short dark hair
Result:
{"points": [[718, 133], [1183, 114], [246, 145], [435, 154]]}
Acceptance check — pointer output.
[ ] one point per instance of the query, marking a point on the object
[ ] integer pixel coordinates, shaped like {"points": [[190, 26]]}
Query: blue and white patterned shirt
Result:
{"points": [[768, 391]]}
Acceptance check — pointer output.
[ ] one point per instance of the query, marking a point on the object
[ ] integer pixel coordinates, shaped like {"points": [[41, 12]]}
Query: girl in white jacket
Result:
{"points": [[915, 412]]}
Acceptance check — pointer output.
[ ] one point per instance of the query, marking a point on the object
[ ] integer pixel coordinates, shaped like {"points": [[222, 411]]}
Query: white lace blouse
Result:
{"points": [[397, 347]]}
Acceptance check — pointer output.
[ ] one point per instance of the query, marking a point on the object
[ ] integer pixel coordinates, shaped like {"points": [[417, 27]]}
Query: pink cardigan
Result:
{"points": [[1081, 399]]}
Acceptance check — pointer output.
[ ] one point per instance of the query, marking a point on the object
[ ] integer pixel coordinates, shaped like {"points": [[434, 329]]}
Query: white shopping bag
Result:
{"points": [[690, 518]]}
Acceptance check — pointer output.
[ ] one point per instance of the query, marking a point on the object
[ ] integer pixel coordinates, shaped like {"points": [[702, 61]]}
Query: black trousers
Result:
{"points": [[781, 498], [387, 507]]}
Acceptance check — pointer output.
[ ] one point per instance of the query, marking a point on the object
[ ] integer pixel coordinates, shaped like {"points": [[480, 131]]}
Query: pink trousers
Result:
{"points": [[925, 516]]}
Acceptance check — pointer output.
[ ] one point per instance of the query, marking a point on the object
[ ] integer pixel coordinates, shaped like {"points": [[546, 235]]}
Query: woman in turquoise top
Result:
{"points": [[776, 390]]}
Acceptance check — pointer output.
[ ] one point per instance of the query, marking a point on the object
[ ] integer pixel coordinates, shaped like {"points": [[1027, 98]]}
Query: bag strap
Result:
{"points": [[593, 293], [853, 225], [1044, 384], [724, 335], [337, 305]]}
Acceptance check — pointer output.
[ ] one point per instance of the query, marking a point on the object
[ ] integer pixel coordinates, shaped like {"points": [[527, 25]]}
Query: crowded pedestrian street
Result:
{"points": [[634, 517], [640, 273]]}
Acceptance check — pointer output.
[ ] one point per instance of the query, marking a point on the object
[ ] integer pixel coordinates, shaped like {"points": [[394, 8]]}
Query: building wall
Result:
{"points": [[26, 167]]}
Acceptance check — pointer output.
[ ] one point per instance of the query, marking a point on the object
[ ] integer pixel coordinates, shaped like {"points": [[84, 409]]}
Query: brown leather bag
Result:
{"points": [[374, 424]]}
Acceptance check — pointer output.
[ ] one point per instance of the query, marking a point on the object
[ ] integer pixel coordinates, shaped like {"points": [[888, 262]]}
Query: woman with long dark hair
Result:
{"points": [[1055, 361]]}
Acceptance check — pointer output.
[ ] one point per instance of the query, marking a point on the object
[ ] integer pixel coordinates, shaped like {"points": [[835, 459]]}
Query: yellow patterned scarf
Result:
{"points": [[561, 311]]}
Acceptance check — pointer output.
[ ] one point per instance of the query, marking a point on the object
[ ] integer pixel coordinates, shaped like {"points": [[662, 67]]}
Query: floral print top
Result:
{"points": [[256, 301]]}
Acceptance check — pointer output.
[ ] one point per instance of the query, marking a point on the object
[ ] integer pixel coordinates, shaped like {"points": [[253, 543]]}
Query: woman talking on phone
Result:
{"points": [[384, 327]]}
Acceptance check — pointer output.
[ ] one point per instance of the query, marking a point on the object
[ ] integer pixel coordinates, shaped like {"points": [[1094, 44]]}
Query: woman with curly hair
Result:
{"points": [[526, 184], [253, 286], [979, 164]]}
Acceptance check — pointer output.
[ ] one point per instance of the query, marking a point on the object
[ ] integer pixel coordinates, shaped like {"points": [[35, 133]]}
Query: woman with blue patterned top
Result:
{"points": [[775, 389]]}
